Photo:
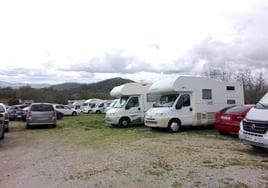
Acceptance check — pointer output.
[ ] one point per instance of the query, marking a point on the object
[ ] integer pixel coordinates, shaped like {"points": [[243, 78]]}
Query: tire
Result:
{"points": [[54, 126], [98, 112], [257, 147], [124, 122], [88, 112], [174, 125], [74, 114], [223, 133], [2, 136], [7, 129]]}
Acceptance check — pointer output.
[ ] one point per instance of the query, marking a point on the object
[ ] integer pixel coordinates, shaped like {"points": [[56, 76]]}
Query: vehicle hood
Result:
{"points": [[257, 114], [153, 111], [114, 111]]}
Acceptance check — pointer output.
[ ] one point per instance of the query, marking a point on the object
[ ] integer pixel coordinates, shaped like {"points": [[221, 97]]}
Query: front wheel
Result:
{"points": [[98, 112], [124, 122], [2, 136], [74, 114], [174, 126]]}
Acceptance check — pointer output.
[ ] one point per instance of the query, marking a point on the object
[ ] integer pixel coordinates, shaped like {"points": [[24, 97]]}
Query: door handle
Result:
{"points": [[191, 109]]}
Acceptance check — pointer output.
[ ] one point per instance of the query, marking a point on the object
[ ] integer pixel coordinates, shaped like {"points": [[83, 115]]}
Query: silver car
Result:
{"points": [[2, 127], [41, 114]]}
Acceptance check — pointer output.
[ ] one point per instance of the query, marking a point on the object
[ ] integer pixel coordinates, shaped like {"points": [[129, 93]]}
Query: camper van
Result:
{"points": [[132, 105], [89, 104], [191, 101], [101, 106], [254, 128]]}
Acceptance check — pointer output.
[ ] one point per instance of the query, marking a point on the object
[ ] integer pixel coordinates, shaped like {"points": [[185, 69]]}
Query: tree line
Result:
{"points": [[254, 88]]}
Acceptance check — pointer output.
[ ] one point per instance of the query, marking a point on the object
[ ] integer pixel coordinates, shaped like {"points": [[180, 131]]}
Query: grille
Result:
{"points": [[255, 126]]}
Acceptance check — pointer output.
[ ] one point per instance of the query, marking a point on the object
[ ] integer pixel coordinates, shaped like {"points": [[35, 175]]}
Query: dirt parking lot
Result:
{"points": [[84, 152]]}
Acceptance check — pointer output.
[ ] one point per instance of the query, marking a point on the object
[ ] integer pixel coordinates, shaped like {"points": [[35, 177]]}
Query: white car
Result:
{"points": [[66, 110], [4, 112]]}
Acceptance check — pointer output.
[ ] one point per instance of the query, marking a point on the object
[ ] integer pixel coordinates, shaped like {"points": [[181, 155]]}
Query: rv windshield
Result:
{"points": [[121, 103], [263, 103], [85, 104], [166, 100]]}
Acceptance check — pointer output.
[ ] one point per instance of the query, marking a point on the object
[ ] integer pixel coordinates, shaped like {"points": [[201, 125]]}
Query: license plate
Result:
{"points": [[253, 139], [225, 117]]}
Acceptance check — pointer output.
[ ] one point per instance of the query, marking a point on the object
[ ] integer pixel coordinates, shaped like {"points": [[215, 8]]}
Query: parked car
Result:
{"points": [[41, 114], [2, 128], [16, 112], [66, 110], [228, 119], [4, 112], [60, 115]]}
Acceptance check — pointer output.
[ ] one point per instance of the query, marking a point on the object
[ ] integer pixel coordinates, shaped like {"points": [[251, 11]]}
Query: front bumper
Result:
{"points": [[112, 120], [161, 122], [254, 139]]}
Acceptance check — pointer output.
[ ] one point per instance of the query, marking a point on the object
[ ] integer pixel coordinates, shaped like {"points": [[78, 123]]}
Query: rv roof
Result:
{"points": [[183, 83], [130, 89]]}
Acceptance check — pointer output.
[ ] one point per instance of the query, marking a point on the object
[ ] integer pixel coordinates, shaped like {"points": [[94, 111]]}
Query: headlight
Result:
{"points": [[160, 114]]}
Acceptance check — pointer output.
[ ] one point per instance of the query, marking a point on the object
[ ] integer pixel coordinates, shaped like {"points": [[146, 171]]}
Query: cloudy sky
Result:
{"points": [[54, 41]]}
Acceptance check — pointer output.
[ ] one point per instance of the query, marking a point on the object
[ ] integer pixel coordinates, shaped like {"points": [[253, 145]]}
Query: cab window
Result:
{"points": [[184, 100], [133, 102]]}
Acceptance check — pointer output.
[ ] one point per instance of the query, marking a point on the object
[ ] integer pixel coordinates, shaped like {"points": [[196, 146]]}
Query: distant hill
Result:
{"points": [[99, 89], [61, 93], [18, 85]]}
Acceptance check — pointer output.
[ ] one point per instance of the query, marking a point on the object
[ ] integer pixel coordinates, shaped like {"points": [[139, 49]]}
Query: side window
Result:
{"points": [[133, 102], [206, 94], [184, 100], [101, 105]]}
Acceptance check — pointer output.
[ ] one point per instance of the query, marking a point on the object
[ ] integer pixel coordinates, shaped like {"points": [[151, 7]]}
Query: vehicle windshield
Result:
{"points": [[122, 102], [263, 103], [166, 100], [85, 104], [42, 108]]}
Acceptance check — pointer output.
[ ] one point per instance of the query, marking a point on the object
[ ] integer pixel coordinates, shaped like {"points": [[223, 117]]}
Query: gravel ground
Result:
{"points": [[174, 160]]}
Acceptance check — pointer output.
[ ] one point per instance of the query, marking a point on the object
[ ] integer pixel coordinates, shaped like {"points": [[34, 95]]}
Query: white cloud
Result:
{"points": [[132, 39]]}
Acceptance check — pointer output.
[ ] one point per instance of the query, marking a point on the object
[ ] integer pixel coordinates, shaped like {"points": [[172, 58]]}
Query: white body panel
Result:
{"points": [[89, 104], [130, 92], [200, 111], [254, 128]]}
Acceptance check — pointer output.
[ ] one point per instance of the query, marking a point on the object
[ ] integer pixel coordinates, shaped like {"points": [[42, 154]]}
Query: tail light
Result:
{"points": [[54, 114], [6, 116], [29, 114]]}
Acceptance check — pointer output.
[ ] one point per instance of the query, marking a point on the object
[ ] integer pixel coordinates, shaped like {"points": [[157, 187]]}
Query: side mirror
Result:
{"points": [[127, 107]]}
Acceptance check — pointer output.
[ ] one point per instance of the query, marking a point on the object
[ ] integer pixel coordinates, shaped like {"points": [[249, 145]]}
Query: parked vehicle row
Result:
{"points": [[191, 101]]}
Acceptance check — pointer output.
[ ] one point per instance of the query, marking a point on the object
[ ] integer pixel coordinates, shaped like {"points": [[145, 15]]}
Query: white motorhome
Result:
{"points": [[132, 105], [101, 106], [76, 105], [89, 104], [254, 128], [113, 103], [188, 100]]}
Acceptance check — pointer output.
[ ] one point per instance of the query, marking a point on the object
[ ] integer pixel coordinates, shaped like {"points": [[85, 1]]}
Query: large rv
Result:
{"points": [[192, 101], [132, 105]]}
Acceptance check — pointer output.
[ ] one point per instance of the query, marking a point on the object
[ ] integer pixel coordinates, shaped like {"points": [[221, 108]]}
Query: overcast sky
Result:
{"points": [[52, 41]]}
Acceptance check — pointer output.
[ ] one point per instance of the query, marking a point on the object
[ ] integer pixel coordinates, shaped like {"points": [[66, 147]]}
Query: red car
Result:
{"points": [[228, 119]]}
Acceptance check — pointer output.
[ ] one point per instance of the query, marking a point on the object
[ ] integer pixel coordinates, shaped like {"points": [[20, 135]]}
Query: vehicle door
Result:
{"points": [[60, 108], [184, 109], [133, 109], [67, 110]]}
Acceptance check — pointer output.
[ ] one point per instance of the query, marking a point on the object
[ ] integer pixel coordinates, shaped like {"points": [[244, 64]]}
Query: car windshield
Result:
{"points": [[2, 109], [263, 103], [166, 100], [42, 108], [121, 103]]}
